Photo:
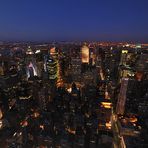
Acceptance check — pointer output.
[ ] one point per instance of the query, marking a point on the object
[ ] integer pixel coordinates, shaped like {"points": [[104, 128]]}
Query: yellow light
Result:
{"points": [[108, 125], [1, 114], [124, 51], [36, 114], [85, 54], [106, 103], [133, 120], [108, 107]]}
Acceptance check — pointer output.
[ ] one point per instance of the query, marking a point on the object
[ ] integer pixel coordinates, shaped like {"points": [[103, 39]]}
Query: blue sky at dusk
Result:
{"points": [[99, 20]]}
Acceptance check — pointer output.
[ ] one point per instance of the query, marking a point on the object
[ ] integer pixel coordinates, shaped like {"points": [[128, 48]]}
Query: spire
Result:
{"points": [[29, 50]]}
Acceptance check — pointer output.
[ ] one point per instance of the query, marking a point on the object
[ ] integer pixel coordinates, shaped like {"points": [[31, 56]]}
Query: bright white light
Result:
{"points": [[37, 51], [34, 70], [14, 134], [69, 90]]}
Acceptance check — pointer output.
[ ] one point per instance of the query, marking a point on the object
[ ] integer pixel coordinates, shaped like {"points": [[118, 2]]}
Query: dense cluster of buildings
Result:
{"points": [[73, 95], [126, 69]]}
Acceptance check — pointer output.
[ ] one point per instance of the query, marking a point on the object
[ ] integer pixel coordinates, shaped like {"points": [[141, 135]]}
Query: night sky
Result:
{"points": [[74, 20]]}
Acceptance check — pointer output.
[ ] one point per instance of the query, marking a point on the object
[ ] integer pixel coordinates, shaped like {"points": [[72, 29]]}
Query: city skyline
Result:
{"points": [[119, 21]]}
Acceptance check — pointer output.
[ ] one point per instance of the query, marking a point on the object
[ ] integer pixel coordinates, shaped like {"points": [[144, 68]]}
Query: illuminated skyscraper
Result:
{"points": [[53, 53], [51, 67], [55, 57], [85, 58], [92, 59], [30, 60], [85, 54], [31, 71], [123, 57]]}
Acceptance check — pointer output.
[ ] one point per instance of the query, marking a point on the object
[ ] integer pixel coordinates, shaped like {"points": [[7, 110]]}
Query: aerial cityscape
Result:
{"points": [[73, 74]]}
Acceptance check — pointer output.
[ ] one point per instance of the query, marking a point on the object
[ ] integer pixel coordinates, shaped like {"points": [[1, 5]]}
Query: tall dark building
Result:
{"points": [[122, 96], [132, 91]]}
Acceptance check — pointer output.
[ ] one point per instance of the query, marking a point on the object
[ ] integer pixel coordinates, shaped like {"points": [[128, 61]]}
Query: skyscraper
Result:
{"points": [[85, 58], [30, 60], [92, 59], [52, 68], [123, 57], [122, 96], [85, 54]]}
